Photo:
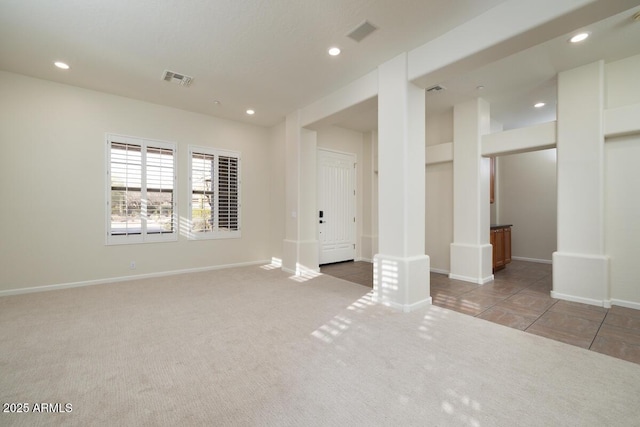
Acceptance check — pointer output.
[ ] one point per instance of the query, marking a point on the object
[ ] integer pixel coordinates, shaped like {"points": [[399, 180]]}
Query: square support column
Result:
{"points": [[401, 268], [300, 246], [471, 252], [580, 266]]}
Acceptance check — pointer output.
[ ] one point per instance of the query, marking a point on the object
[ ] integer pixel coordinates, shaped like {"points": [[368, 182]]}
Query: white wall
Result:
{"points": [[622, 188], [622, 217], [277, 190], [52, 170], [369, 240], [439, 195], [439, 215], [527, 198], [622, 86], [349, 141]]}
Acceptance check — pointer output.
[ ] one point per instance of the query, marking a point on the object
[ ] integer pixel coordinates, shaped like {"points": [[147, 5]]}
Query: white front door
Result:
{"points": [[336, 206]]}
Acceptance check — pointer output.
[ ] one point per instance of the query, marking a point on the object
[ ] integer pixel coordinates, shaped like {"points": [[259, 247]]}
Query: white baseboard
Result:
{"points": [[406, 308], [623, 303], [440, 271], [364, 259], [44, 288], [573, 298], [475, 280], [540, 261]]}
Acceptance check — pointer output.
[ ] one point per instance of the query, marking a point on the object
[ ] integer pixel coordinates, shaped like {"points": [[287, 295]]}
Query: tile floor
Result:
{"points": [[519, 298]]}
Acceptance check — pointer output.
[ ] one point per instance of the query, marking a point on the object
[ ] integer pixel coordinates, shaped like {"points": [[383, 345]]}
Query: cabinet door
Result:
{"points": [[498, 249], [507, 245], [492, 238]]}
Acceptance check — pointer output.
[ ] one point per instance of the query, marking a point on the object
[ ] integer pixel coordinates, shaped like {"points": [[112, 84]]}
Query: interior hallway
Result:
{"points": [[519, 298]]}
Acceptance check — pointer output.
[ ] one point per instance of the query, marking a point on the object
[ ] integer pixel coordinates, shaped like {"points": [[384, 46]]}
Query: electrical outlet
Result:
{"points": [[132, 265]]}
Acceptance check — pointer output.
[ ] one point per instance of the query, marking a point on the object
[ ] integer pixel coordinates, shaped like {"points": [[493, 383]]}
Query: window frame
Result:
{"points": [[144, 236], [216, 233]]}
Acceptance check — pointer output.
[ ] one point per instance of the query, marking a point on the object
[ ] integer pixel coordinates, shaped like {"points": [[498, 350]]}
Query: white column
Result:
{"points": [[300, 246], [471, 253], [401, 268], [580, 266]]}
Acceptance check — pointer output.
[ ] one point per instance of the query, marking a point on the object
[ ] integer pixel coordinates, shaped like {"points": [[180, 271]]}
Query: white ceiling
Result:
{"points": [[513, 84], [272, 55]]}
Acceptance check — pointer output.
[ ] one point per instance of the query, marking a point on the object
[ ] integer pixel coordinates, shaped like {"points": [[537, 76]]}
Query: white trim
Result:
{"points": [[621, 121], [217, 234], [354, 93], [44, 288], [439, 153], [363, 259], [623, 303], [521, 140], [344, 153], [352, 158], [144, 236], [406, 308], [440, 271], [540, 261], [471, 279], [589, 301]]}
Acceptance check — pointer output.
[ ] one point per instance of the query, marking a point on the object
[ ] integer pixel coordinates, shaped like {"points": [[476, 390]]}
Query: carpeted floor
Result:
{"points": [[253, 347]]}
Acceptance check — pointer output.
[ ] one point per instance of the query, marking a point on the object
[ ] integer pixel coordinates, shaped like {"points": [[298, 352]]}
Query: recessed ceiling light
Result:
{"points": [[579, 37], [251, 112], [539, 105], [480, 87], [216, 102], [334, 51], [61, 65]]}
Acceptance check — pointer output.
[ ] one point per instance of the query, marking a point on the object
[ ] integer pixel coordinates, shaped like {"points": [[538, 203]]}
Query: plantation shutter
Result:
{"points": [[228, 193], [215, 193]]}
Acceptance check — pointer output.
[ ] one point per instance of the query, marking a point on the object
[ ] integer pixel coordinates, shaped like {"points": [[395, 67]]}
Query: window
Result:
{"points": [[214, 186], [141, 182]]}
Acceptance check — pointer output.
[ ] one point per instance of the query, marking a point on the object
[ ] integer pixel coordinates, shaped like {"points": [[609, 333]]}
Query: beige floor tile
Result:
{"points": [[500, 289], [527, 304], [507, 318], [616, 348], [541, 285], [456, 304], [443, 298], [479, 301], [566, 323], [456, 287], [558, 335], [624, 311], [566, 328], [589, 312], [623, 321], [631, 336]]}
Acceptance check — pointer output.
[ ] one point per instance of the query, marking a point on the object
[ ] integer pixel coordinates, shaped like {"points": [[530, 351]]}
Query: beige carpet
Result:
{"points": [[253, 347]]}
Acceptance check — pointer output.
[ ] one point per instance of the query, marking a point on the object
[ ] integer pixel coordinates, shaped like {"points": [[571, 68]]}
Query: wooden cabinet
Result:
{"points": [[500, 238]]}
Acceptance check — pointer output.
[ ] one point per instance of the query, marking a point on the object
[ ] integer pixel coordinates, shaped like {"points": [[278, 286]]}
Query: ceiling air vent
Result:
{"points": [[173, 77], [436, 88], [362, 31]]}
